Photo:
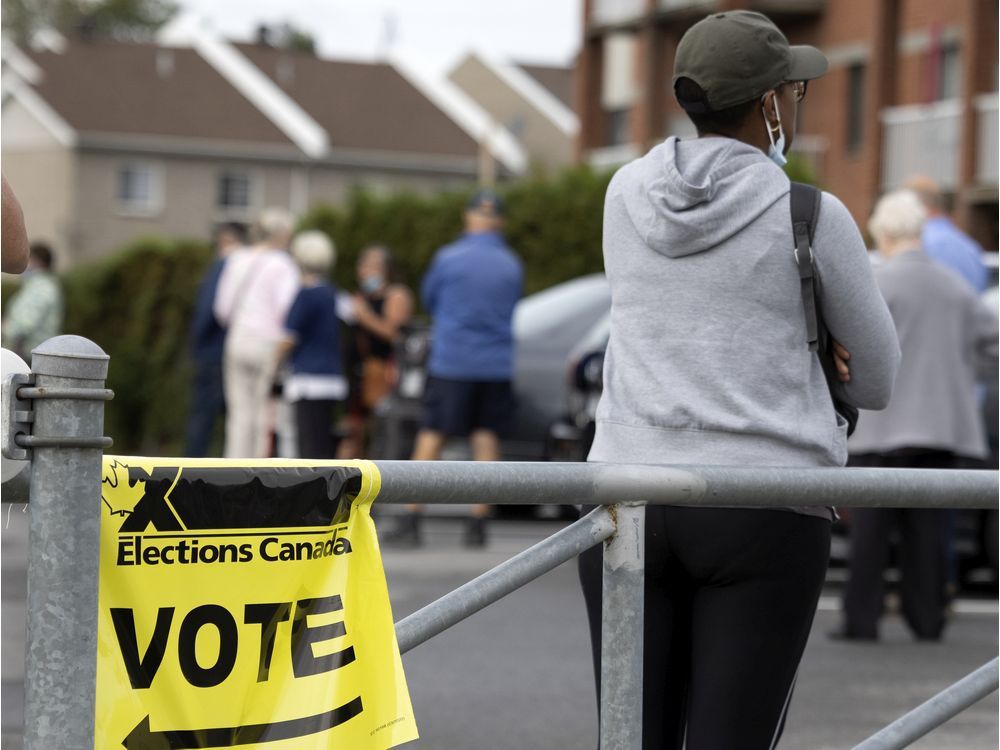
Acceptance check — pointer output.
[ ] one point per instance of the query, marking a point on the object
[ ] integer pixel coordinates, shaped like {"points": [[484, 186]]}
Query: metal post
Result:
{"points": [[945, 705], [66, 442], [509, 576], [622, 631]]}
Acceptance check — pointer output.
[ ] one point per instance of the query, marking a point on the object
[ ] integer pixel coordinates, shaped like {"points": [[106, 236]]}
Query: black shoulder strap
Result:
{"points": [[805, 201]]}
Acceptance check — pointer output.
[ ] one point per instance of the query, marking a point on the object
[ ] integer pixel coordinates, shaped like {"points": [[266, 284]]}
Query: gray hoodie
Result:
{"points": [[707, 361]]}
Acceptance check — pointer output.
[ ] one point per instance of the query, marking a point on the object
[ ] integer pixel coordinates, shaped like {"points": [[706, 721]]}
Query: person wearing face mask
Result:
{"points": [[708, 362], [381, 309]]}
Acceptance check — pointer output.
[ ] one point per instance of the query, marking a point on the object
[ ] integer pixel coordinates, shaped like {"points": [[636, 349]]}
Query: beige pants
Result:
{"points": [[248, 371]]}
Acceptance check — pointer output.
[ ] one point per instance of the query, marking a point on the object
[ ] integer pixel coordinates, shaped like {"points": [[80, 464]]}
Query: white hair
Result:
{"points": [[274, 225], [314, 252], [899, 215]]}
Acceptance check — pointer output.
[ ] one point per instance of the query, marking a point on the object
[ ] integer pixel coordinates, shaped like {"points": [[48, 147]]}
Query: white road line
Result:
{"points": [[960, 606]]}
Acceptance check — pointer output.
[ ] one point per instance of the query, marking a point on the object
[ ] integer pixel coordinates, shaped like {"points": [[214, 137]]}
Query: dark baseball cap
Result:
{"points": [[741, 55], [487, 201]]}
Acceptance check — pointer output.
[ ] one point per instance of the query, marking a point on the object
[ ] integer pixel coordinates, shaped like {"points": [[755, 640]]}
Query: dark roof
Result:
{"points": [[115, 87], [559, 81], [368, 106]]}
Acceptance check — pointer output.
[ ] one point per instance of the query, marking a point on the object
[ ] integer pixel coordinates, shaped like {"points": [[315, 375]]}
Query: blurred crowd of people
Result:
{"points": [[293, 364], [296, 366]]}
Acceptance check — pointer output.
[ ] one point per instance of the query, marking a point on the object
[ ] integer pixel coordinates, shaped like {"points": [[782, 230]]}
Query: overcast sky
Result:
{"points": [[434, 32]]}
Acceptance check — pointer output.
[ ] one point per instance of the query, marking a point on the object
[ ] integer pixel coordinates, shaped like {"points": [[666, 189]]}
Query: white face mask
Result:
{"points": [[776, 151]]}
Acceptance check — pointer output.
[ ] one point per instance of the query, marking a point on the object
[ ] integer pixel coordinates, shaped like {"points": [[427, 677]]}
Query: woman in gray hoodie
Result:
{"points": [[708, 363]]}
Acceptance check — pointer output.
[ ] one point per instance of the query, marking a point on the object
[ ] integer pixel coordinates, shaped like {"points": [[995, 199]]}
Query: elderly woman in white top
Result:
{"points": [[932, 420], [255, 293]]}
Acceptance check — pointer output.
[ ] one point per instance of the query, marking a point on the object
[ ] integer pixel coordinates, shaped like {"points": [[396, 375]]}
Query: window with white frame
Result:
{"points": [[234, 191], [139, 188]]}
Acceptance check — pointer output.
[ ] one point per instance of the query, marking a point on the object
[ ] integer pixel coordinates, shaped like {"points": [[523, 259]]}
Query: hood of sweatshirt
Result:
{"points": [[687, 196]]}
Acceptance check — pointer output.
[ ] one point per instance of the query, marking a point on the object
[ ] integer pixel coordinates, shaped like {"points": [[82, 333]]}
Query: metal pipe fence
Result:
{"points": [[927, 716], [64, 436]]}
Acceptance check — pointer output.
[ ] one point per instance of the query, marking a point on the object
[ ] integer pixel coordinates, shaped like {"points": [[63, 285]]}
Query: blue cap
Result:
{"points": [[487, 201]]}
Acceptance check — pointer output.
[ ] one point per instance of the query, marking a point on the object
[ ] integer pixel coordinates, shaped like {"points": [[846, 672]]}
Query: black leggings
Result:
{"points": [[729, 601], [314, 423]]}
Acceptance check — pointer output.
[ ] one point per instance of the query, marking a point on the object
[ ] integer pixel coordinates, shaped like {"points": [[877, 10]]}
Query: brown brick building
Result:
{"points": [[912, 88]]}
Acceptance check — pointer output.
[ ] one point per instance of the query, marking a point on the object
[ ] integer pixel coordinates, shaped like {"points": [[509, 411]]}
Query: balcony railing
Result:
{"points": [[614, 12], [923, 139], [783, 7], [987, 138], [706, 5]]}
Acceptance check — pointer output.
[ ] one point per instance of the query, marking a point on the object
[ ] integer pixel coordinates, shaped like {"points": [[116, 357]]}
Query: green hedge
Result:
{"points": [[554, 223], [137, 304]]}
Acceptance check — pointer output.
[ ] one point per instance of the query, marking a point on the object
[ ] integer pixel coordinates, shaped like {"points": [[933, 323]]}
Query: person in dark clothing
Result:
{"points": [[316, 383], [207, 340], [708, 363], [932, 422], [380, 311]]}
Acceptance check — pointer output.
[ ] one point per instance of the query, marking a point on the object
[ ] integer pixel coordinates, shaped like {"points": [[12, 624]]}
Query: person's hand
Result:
{"points": [[841, 357]]}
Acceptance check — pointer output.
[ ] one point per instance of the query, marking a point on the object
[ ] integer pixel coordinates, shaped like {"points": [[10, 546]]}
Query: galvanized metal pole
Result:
{"points": [[509, 576], [929, 715], [622, 631], [66, 441], [513, 483]]}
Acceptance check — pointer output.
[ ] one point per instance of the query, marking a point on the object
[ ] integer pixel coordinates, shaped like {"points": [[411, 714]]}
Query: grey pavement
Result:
{"points": [[518, 674]]}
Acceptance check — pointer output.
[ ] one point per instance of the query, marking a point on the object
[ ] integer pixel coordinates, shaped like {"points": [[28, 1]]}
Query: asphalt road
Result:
{"points": [[518, 674]]}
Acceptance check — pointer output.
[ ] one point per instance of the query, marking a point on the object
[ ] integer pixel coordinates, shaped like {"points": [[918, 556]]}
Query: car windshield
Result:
{"points": [[553, 307]]}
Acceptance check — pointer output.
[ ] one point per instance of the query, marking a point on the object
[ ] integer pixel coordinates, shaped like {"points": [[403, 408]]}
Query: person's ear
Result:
{"points": [[769, 104]]}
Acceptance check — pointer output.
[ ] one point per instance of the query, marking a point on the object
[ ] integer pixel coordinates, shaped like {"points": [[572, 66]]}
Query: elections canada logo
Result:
{"points": [[175, 515]]}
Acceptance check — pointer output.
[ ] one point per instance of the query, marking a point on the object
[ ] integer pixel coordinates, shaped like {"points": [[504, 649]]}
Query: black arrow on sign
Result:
{"points": [[143, 738]]}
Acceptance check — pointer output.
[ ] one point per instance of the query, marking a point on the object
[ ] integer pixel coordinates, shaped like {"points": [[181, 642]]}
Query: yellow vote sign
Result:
{"points": [[245, 607]]}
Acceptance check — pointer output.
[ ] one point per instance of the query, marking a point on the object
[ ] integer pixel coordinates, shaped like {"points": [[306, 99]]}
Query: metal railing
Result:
{"points": [[987, 140], [922, 139], [63, 431]]}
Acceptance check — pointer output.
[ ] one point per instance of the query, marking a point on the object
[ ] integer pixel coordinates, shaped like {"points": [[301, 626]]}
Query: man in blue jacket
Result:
{"points": [[470, 291], [207, 339], [945, 242]]}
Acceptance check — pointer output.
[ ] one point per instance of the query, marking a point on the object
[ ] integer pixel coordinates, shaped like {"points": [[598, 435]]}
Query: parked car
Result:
{"points": [[547, 325]]}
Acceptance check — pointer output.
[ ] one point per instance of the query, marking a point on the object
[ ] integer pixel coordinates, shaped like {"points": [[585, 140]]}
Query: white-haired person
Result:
{"points": [[932, 421], [316, 383], [255, 293]]}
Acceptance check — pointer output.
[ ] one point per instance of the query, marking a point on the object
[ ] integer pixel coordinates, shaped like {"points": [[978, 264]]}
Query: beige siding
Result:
{"points": [[188, 207], [545, 143], [41, 172], [333, 185], [70, 197]]}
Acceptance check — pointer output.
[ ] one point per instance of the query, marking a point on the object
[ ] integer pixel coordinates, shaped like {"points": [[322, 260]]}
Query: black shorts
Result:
{"points": [[458, 407]]}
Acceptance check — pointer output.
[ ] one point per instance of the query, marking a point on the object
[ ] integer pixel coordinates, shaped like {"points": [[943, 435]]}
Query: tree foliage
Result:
{"points": [[119, 19], [553, 222], [137, 307]]}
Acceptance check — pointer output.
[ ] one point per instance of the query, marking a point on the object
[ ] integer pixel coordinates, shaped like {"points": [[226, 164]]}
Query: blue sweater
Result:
{"points": [[950, 246], [470, 290], [313, 320], [207, 336]]}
